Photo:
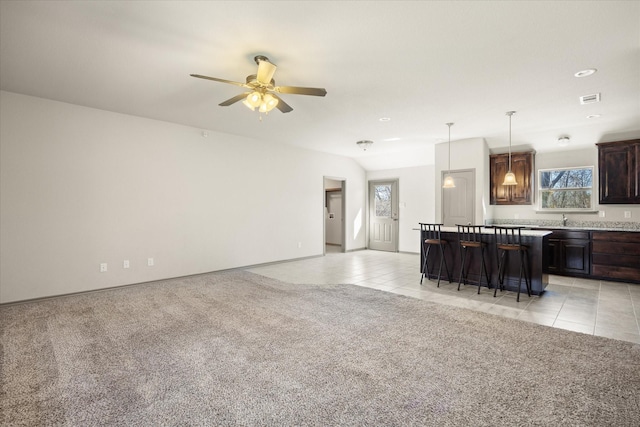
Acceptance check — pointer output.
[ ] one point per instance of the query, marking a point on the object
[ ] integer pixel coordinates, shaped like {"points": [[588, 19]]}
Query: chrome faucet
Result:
{"points": [[564, 220]]}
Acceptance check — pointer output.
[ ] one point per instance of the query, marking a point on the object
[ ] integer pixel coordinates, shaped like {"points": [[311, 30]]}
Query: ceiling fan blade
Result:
{"points": [[265, 72], [282, 106], [234, 99], [215, 79], [294, 90]]}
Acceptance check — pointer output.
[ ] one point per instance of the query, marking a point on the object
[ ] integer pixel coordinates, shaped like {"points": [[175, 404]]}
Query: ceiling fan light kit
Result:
{"points": [[262, 89]]}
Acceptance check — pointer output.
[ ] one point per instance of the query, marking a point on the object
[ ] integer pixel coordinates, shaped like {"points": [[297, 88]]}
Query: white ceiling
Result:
{"points": [[420, 63]]}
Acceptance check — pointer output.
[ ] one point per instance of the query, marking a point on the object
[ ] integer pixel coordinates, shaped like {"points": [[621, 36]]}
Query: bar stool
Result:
{"points": [[470, 237], [430, 236], [509, 240]]}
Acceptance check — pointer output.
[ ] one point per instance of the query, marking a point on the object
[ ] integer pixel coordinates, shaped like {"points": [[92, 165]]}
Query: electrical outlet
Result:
{"points": [[150, 262], [601, 214], [299, 244], [103, 267], [627, 214], [125, 263]]}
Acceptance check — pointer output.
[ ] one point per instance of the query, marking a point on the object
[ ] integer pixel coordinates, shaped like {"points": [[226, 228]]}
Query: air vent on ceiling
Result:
{"points": [[590, 99]]}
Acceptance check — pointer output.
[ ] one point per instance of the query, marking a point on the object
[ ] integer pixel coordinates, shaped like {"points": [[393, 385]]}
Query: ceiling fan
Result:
{"points": [[262, 90]]}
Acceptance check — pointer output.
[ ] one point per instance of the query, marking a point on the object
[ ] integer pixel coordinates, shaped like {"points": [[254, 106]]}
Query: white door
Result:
{"points": [[458, 203], [383, 215]]}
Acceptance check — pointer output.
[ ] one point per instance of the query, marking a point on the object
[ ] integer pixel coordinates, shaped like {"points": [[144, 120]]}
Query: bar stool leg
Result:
{"points": [[501, 264], [523, 270], [425, 264], [445, 263], [463, 255], [486, 273]]}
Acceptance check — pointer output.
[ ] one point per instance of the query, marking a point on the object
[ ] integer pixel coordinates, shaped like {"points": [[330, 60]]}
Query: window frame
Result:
{"points": [[573, 209]]}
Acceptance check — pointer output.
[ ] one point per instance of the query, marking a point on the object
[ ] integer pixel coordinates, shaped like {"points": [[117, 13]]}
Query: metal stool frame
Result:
{"points": [[429, 236], [470, 237], [509, 239]]}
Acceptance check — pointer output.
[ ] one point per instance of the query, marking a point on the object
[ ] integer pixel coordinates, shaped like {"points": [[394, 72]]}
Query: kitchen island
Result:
{"points": [[533, 239]]}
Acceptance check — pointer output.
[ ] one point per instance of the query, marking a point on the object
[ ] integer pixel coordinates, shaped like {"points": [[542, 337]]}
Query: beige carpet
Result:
{"points": [[234, 348]]}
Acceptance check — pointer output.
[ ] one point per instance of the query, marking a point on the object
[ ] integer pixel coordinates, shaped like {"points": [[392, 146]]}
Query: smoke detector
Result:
{"points": [[590, 99], [563, 141]]}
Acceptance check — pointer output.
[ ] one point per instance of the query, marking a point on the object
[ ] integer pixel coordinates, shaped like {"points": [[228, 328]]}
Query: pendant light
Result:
{"points": [[510, 178], [448, 180]]}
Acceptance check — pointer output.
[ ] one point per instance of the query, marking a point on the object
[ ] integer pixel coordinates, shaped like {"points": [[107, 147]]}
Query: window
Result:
{"points": [[566, 189], [383, 200]]}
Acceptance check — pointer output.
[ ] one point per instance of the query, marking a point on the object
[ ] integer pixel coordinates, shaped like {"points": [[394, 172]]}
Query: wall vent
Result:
{"points": [[590, 99]]}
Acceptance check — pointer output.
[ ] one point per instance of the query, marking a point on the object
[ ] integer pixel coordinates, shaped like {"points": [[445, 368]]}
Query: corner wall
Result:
{"points": [[80, 187]]}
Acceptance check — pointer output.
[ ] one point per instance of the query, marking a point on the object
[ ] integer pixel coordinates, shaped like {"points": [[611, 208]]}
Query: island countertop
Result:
{"points": [[490, 230]]}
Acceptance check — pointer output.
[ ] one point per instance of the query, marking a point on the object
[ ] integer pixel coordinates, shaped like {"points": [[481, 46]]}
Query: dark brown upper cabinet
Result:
{"points": [[522, 167], [619, 172]]}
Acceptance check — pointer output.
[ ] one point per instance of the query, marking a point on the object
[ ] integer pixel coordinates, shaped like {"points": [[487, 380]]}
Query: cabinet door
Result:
{"points": [[619, 172], [522, 167], [575, 256], [498, 167], [552, 252]]}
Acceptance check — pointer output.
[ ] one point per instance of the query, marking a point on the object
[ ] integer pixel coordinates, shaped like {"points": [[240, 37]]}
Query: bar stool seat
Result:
{"points": [[509, 240], [470, 237], [430, 236]]}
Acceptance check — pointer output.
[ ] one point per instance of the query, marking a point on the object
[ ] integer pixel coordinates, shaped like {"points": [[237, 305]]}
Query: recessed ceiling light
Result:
{"points": [[392, 139], [593, 116], [563, 141], [385, 119], [585, 73]]}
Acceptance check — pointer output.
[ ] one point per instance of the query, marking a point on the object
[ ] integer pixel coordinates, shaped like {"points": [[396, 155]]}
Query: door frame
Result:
{"points": [[343, 227], [395, 208]]}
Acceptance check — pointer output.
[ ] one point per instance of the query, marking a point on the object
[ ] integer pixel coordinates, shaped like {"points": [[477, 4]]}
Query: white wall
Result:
{"points": [[416, 196], [81, 186]]}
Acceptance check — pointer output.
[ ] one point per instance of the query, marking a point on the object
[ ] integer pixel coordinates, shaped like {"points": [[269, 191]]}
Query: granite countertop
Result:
{"points": [[489, 230], [627, 226], [568, 227]]}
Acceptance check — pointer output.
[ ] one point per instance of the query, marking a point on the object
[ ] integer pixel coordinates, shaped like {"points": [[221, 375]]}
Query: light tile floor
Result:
{"points": [[596, 307]]}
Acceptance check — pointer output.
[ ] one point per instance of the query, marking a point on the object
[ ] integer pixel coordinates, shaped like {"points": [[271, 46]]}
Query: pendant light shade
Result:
{"points": [[448, 180], [510, 178]]}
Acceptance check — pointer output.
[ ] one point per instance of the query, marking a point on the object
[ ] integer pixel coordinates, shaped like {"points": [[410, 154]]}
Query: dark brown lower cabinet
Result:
{"points": [[616, 255], [568, 252]]}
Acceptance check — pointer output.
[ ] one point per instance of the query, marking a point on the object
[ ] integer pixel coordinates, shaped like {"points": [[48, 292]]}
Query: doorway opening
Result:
{"points": [[334, 215]]}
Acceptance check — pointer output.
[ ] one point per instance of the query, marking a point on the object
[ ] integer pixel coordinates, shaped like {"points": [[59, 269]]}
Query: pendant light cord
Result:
{"points": [[510, 113]]}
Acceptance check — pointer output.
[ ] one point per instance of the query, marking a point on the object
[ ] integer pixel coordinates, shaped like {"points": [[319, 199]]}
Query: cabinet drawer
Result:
{"points": [[616, 272], [617, 236], [569, 234], [616, 259], [613, 247]]}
